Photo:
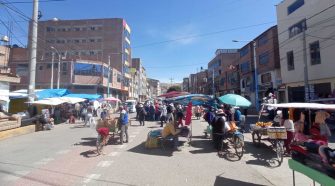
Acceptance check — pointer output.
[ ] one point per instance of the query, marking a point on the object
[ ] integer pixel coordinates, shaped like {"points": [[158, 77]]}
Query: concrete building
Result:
{"points": [[185, 85], [192, 83], [89, 40], [201, 82], [268, 66], [217, 69], [7, 78], [80, 76], [315, 18], [142, 79], [154, 86]]}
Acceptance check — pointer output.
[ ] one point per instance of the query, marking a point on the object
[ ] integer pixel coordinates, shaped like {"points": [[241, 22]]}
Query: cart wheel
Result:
{"points": [[279, 150], [256, 139], [239, 145]]}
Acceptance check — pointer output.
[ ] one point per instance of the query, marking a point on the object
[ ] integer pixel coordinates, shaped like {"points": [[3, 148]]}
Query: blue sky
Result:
{"points": [[172, 37]]}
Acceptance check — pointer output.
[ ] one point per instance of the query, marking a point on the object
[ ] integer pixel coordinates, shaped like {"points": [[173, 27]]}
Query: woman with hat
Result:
{"points": [[218, 127]]}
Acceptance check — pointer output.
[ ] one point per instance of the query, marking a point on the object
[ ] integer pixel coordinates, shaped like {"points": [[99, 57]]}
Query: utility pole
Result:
{"points": [[33, 46], [52, 70], [109, 72], [307, 91], [171, 81], [213, 88], [58, 77], [256, 76]]}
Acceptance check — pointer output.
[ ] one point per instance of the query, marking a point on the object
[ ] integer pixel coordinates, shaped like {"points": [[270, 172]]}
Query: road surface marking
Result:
{"points": [[63, 152], [132, 136], [104, 163], [44, 161], [113, 154], [90, 177]]}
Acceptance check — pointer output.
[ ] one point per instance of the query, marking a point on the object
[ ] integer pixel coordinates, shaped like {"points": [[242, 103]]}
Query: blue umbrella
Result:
{"points": [[196, 99], [235, 100]]}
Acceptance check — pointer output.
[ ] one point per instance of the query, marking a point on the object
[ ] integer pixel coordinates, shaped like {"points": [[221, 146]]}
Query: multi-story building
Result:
{"points": [[6, 77], [142, 79], [267, 64], [80, 76], [308, 25], [218, 69], [154, 86], [200, 84], [103, 41], [192, 83], [185, 85]]}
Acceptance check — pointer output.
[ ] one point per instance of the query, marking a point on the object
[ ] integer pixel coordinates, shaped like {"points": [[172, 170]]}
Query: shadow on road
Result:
{"points": [[89, 154], [230, 182], [264, 155], [87, 142], [154, 152], [204, 146]]}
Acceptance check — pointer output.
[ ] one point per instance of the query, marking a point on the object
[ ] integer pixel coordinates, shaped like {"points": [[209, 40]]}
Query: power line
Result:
{"points": [[24, 2]]}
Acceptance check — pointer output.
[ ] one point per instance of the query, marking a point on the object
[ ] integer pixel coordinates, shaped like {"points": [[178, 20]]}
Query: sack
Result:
{"points": [[152, 142], [232, 126]]}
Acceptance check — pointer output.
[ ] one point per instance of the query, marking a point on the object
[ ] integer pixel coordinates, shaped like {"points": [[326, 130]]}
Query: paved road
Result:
{"points": [[65, 156]]}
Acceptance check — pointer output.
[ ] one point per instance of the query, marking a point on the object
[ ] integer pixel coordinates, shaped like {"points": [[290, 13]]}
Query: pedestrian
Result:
{"points": [[77, 109], [197, 112], [163, 115], [169, 110], [152, 112], [180, 115], [218, 124], [141, 114], [137, 107], [124, 122], [289, 125]]}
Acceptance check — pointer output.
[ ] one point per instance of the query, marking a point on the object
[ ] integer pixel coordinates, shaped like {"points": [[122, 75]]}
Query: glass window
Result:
{"points": [[76, 41], [245, 67], [263, 58], [290, 60], [263, 39], [294, 6], [40, 67], [83, 40], [92, 40], [92, 28], [244, 51], [314, 49], [297, 28], [91, 53], [266, 78], [77, 29], [222, 80], [48, 65]]}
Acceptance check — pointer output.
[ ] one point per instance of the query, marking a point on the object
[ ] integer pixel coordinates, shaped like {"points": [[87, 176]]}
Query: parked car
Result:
{"points": [[131, 105]]}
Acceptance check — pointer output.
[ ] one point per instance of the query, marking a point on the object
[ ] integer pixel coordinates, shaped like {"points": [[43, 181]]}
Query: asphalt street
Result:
{"points": [[66, 156]]}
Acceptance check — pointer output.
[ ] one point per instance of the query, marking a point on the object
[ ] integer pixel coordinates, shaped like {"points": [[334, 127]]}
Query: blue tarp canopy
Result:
{"points": [[85, 96], [51, 93]]}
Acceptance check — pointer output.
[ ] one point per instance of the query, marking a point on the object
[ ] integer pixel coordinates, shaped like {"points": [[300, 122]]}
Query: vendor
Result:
{"points": [[299, 124], [320, 130], [288, 124], [170, 131]]}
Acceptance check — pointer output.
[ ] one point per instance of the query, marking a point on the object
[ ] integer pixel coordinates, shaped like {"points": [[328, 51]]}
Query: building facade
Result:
{"points": [[186, 87], [309, 26], [155, 88], [104, 41], [267, 65], [142, 79]]}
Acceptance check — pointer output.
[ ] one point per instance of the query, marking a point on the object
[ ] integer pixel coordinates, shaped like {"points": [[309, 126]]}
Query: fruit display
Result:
{"points": [[264, 124]]}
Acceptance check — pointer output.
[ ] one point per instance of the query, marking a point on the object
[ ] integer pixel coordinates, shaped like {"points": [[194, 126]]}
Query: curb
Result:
{"points": [[17, 132]]}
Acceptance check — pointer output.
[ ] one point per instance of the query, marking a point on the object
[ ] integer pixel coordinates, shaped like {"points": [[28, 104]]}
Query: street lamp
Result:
{"points": [[52, 68], [255, 71]]}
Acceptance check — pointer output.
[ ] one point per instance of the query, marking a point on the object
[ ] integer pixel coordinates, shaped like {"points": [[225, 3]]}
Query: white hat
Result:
{"points": [[220, 111]]}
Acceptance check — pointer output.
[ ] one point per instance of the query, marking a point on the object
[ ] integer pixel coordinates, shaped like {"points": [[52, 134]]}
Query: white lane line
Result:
{"points": [[104, 163], [44, 161], [90, 177], [16, 175], [132, 136], [113, 154], [62, 151]]}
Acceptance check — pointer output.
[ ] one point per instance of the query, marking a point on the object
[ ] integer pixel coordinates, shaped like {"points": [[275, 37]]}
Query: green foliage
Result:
{"points": [[174, 88]]}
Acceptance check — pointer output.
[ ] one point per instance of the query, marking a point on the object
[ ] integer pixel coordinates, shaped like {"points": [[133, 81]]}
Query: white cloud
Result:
{"points": [[183, 34]]}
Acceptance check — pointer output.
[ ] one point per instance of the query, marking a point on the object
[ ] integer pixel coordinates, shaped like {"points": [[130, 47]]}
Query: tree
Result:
{"points": [[173, 88]]}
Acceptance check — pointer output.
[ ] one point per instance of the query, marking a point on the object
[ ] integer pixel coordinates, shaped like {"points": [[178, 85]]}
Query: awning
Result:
{"points": [[303, 105], [51, 93], [85, 96]]}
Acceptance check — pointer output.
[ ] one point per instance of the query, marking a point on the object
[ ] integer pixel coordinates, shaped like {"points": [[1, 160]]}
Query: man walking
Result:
{"points": [[124, 122], [141, 114]]}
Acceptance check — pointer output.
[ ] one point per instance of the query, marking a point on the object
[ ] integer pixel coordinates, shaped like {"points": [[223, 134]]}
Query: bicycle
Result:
{"points": [[235, 140], [101, 142]]}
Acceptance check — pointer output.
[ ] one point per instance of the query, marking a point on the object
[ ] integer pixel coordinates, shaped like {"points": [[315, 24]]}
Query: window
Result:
{"points": [[83, 53], [222, 80], [48, 65], [297, 28], [245, 67], [263, 58], [294, 6], [68, 41], [244, 51], [290, 60], [220, 72], [99, 40], [40, 67], [84, 29], [92, 40], [92, 53], [263, 39], [50, 29], [266, 78], [83, 40], [92, 28], [76, 41], [314, 49], [77, 29]]}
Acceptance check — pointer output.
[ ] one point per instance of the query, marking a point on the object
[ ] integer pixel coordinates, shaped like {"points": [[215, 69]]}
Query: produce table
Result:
{"points": [[315, 175]]}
